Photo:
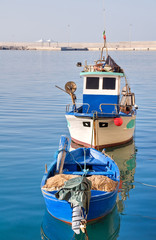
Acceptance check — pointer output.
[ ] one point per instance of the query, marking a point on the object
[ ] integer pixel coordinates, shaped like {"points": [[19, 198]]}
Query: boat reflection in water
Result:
{"points": [[53, 228], [109, 226], [125, 157], [106, 228]]}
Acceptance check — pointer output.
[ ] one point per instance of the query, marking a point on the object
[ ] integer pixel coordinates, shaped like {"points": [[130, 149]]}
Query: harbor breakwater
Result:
{"points": [[119, 46]]}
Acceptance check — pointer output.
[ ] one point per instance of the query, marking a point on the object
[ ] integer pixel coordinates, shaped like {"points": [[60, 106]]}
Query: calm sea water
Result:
{"points": [[31, 123]]}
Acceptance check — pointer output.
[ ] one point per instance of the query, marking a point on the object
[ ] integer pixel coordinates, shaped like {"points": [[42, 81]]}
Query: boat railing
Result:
{"points": [[84, 108], [78, 107], [110, 104], [89, 68]]}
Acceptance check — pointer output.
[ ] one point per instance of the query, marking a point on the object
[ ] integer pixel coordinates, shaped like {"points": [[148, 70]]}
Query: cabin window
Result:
{"points": [[92, 83], [86, 124], [109, 83]]}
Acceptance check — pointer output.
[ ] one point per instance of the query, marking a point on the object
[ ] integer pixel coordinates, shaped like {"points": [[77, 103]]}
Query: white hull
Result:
{"points": [[96, 136]]}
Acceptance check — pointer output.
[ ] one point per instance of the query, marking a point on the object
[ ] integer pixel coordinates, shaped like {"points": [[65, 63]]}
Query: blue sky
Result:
{"points": [[77, 20]]}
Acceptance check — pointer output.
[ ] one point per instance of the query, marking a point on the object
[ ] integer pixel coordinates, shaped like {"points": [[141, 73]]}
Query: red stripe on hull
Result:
{"points": [[99, 147], [91, 220]]}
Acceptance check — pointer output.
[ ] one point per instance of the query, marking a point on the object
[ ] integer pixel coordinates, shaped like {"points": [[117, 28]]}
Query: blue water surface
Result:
{"points": [[31, 122]]}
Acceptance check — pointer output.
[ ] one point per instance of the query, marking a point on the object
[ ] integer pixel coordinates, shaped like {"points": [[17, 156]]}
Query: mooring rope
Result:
{"points": [[57, 152], [145, 184], [43, 236], [138, 215], [73, 237], [86, 235], [76, 161]]}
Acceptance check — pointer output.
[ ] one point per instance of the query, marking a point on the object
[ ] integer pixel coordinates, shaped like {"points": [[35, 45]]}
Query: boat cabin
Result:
{"points": [[101, 92]]}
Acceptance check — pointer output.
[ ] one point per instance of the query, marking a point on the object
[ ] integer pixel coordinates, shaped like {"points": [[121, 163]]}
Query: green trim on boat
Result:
{"points": [[131, 124], [102, 73], [68, 123]]}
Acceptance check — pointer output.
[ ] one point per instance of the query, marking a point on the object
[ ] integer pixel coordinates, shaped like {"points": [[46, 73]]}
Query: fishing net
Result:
{"points": [[102, 183], [56, 182], [99, 182]]}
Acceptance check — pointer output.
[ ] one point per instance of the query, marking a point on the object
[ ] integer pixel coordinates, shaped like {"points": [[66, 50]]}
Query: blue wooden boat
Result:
{"points": [[82, 161]]}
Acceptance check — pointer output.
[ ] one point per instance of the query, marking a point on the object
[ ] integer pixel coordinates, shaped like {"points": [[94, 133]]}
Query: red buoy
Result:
{"points": [[118, 121]]}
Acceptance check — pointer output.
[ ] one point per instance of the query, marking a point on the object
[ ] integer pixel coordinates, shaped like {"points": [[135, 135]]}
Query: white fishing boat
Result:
{"points": [[107, 115]]}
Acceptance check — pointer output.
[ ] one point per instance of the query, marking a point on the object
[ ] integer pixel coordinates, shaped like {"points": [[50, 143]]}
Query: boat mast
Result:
{"points": [[104, 47], [104, 35]]}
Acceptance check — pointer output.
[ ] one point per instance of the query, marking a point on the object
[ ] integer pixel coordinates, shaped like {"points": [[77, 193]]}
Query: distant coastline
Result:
{"points": [[118, 46]]}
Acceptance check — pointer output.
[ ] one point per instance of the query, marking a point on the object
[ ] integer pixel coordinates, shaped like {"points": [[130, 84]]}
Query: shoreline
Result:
{"points": [[115, 46]]}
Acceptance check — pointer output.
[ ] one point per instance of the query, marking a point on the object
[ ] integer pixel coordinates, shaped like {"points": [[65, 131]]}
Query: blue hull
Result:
{"points": [[101, 202], [106, 228], [100, 205]]}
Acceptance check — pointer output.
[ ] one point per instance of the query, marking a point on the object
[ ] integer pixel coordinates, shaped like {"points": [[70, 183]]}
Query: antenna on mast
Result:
{"points": [[104, 35]]}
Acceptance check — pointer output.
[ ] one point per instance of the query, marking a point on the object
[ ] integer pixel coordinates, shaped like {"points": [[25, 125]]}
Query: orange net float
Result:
{"points": [[118, 121], [98, 66]]}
